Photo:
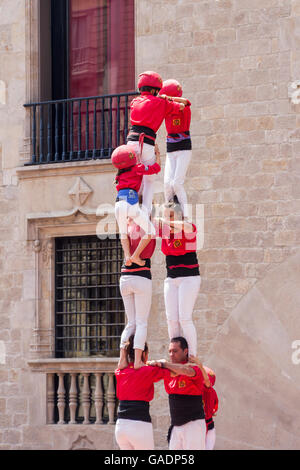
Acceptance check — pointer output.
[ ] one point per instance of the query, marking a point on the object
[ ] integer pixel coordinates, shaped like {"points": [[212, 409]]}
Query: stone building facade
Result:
{"points": [[238, 62]]}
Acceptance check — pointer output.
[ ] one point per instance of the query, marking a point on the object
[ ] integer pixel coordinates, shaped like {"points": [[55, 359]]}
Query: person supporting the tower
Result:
{"points": [[182, 284], [136, 291], [188, 428], [135, 390], [211, 405]]}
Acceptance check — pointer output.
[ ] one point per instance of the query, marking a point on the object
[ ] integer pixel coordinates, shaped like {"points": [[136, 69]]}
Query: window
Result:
{"points": [[89, 311], [86, 80], [92, 47]]}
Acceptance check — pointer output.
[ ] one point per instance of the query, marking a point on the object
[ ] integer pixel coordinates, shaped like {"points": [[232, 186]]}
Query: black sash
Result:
{"points": [[210, 424], [188, 259], [183, 409], [135, 131], [134, 409], [136, 270]]}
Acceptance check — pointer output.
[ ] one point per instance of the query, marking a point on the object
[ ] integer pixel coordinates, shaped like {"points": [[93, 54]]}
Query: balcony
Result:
{"points": [[78, 129], [79, 391]]}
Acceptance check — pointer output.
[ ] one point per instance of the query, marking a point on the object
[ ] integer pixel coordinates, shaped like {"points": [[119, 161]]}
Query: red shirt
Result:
{"points": [[210, 402], [183, 385], [133, 179], [179, 121], [135, 233], [137, 384], [177, 244], [150, 111]]}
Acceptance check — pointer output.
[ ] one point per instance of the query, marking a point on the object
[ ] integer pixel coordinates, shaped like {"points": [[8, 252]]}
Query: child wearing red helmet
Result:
{"points": [[147, 114], [179, 146], [128, 181]]}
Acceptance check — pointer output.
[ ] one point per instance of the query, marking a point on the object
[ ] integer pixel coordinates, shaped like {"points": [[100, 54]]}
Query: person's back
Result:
{"points": [[137, 384], [149, 111], [135, 390]]}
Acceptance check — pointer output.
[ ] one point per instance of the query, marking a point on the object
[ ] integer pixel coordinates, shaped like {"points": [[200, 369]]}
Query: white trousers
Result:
{"points": [[189, 436], [210, 439], [180, 296], [175, 170], [136, 293], [134, 435], [123, 210], [147, 187]]}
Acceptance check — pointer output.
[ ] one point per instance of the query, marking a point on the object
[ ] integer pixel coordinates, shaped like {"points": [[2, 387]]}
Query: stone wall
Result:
{"points": [[237, 61]]}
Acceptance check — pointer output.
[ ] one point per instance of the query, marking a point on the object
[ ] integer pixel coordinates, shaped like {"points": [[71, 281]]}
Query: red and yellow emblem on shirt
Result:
{"points": [[177, 243], [176, 122], [181, 383], [131, 156]]}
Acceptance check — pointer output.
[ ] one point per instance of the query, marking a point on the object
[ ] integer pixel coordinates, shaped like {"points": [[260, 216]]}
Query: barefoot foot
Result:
{"points": [[138, 260], [138, 365], [128, 262]]}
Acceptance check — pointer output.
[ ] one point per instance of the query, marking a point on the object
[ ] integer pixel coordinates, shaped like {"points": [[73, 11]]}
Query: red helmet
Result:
{"points": [[171, 88], [123, 157], [151, 79]]}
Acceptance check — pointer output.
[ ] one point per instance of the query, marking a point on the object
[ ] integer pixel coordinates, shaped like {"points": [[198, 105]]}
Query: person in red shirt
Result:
{"points": [[188, 428], [136, 291], [179, 145], [128, 181], [210, 403], [182, 284], [135, 390], [147, 113]]}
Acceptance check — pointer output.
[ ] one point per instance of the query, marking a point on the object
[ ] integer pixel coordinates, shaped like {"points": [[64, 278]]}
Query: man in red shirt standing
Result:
{"points": [[188, 427]]}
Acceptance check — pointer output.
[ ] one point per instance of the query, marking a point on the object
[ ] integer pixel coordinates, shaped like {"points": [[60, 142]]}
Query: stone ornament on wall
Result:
{"points": [[82, 443], [47, 252], [80, 192]]}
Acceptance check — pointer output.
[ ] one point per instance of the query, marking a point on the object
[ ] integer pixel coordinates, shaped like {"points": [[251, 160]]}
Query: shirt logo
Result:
{"points": [[177, 244], [176, 122], [131, 156], [181, 383]]}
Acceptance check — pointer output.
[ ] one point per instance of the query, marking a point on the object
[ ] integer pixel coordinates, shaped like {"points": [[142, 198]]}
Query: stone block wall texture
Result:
{"points": [[236, 60]]}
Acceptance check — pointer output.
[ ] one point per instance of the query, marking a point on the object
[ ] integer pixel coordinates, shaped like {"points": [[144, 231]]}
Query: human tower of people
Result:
{"points": [[192, 399]]}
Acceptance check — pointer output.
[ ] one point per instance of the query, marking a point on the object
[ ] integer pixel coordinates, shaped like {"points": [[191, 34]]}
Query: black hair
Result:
{"points": [[175, 207], [181, 340], [120, 171], [149, 89], [130, 350]]}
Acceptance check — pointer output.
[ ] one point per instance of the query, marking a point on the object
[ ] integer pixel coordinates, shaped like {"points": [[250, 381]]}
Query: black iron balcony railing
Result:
{"points": [[78, 129]]}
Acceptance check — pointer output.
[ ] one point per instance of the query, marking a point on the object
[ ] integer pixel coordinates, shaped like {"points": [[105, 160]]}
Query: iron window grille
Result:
{"points": [[89, 311]]}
